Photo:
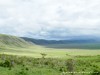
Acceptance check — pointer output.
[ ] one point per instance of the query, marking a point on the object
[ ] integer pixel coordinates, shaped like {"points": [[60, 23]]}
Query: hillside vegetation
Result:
{"points": [[78, 65], [20, 57], [17, 46], [12, 41]]}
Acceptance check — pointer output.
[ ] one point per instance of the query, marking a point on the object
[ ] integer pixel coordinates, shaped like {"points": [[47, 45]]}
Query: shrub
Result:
{"points": [[70, 65], [43, 55]]}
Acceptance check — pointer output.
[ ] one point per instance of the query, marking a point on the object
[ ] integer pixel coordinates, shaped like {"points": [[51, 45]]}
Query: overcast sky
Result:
{"points": [[50, 19]]}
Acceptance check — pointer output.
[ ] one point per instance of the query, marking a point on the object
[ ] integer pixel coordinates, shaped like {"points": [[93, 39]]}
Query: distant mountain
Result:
{"points": [[46, 42], [12, 41], [75, 43]]}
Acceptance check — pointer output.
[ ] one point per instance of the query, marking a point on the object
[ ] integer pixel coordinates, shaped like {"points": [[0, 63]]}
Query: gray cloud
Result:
{"points": [[50, 19]]}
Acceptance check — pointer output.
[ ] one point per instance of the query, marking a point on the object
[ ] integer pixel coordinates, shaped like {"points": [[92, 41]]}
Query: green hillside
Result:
{"points": [[12, 41], [18, 57], [13, 45]]}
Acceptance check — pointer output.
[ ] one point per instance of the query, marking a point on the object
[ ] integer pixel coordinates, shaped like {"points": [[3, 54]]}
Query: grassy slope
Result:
{"points": [[12, 41], [36, 66], [17, 46]]}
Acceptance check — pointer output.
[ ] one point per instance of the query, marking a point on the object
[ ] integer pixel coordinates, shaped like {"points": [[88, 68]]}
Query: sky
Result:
{"points": [[50, 19]]}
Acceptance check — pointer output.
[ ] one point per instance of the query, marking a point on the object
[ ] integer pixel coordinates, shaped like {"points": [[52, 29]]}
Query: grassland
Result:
{"points": [[18, 57], [16, 46], [34, 51], [16, 65], [30, 61]]}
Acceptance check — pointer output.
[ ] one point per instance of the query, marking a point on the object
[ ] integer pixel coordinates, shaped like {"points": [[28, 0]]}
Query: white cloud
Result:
{"points": [[43, 17]]}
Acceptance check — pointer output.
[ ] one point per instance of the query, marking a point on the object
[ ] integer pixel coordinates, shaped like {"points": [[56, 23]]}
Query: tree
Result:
{"points": [[43, 55]]}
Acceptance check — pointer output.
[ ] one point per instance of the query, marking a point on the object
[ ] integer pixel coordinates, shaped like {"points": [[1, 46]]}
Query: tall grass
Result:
{"points": [[15, 65]]}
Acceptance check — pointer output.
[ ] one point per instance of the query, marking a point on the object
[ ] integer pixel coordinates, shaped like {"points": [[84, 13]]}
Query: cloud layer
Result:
{"points": [[50, 19]]}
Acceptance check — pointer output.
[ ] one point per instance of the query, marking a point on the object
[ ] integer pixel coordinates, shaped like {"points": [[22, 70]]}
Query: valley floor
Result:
{"points": [[38, 60], [35, 51]]}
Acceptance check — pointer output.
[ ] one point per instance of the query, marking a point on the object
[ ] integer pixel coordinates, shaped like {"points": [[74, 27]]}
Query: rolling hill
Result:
{"points": [[13, 45], [12, 41]]}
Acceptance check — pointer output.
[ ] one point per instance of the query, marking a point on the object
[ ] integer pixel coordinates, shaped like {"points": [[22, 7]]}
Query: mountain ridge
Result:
{"points": [[14, 41], [66, 44], [44, 42]]}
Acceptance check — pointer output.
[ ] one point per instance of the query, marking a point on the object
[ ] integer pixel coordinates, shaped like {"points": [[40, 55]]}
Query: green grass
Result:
{"points": [[54, 62], [94, 46], [48, 66], [12, 41], [30, 61], [34, 51], [16, 46]]}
